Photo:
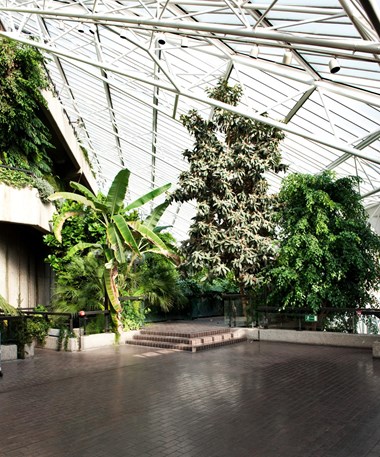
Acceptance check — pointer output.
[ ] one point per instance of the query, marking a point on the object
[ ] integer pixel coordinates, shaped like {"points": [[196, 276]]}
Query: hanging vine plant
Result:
{"points": [[24, 138]]}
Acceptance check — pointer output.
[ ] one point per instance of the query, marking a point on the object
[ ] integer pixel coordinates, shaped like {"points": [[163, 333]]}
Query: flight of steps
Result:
{"points": [[187, 340]]}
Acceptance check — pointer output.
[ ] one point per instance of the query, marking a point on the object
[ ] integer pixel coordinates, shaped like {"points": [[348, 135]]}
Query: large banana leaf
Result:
{"points": [[6, 308], [116, 243], [152, 220], [118, 189], [60, 220], [172, 257], [71, 196], [89, 195], [147, 233], [83, 190], [82, 246], [126, 234], [111, 288], [147, 197]]}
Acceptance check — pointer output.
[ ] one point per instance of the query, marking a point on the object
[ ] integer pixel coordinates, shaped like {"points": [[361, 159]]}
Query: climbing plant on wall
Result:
{"points": [[24, 138]]}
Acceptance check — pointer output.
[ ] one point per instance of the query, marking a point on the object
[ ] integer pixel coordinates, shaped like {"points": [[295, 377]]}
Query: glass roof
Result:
{"points": [[125, 71]]}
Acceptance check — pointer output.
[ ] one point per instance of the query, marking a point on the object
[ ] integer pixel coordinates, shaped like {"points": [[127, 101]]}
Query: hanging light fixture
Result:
{"points": [[184, 42], [287, 57], [334, 65], [123, 34], [161, 40], [92, 29], [80, 28], [254, 51]]}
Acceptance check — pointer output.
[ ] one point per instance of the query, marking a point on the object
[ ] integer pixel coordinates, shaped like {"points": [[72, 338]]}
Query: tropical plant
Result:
{"points": [[157, 280], [233, 229], [328, 254], [80, 285], [125, 239], [84, 229], [24, 138], [6, 308]]}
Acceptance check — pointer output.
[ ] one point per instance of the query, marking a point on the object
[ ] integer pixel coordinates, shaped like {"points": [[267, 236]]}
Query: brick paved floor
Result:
{"points": [[248, 400]]}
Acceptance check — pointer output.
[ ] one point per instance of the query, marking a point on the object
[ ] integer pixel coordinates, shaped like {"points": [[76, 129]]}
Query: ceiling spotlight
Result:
{"points": [[184, 42], [287, 57], [334, 65], [161, 39], [123, 34], [80, 28], [92, 29], [254, 51]]}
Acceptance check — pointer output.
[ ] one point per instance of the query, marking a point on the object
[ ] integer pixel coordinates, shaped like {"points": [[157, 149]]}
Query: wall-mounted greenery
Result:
{"points": [[20, 179], [24, 138]]}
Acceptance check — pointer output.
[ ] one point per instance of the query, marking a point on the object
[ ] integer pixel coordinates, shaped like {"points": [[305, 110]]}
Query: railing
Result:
{"points": [[84, 320], [347, 320], [86, 317]]}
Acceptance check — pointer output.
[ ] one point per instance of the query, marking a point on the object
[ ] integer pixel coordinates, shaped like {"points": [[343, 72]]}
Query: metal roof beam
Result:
{"points": [[263, 6], [298, 105], [330, 142], [373, 13], [227, 32]]}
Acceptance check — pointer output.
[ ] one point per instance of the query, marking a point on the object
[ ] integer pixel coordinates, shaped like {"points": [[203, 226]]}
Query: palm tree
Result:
{"points": [[126, 239]]}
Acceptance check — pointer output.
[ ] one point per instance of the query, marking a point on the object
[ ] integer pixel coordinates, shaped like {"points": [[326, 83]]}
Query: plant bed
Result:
{"points": [[83, 342]]}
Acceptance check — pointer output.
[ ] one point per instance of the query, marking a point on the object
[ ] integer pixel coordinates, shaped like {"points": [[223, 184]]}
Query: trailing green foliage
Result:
{"points": [[24, 138], [233, 227], [328, 254], [19, 179], [63, 337]]}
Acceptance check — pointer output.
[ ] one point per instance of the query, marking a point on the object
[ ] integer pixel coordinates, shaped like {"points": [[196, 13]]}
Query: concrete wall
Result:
{"points": [[23, 206], [306, 337], [25, 279], [59, 124]]}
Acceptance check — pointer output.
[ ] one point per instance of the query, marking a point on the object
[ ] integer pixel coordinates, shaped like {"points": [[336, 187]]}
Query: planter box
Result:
{"points": [[9, 352], [29, 350], [86, 342], [51, 342]]}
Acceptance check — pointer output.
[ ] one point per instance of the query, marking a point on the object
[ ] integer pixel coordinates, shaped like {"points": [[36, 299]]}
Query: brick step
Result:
{"points": [[189, 334], [193, 342], [181, 340], [184, 347]]}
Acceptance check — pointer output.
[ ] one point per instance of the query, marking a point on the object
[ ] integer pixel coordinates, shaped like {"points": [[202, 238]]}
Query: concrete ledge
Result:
{"points": [[307, 337], [9, 352], [51, 342], [29, 350], [23, 206], [86, 342], [376, 349]]}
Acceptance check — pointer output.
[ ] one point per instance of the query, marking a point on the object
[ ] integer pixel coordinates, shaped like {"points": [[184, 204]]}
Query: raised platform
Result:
{"points": [[186, 336]]}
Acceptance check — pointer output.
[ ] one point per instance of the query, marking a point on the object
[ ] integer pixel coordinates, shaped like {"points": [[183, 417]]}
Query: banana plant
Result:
{"points": [[126, 239]]}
